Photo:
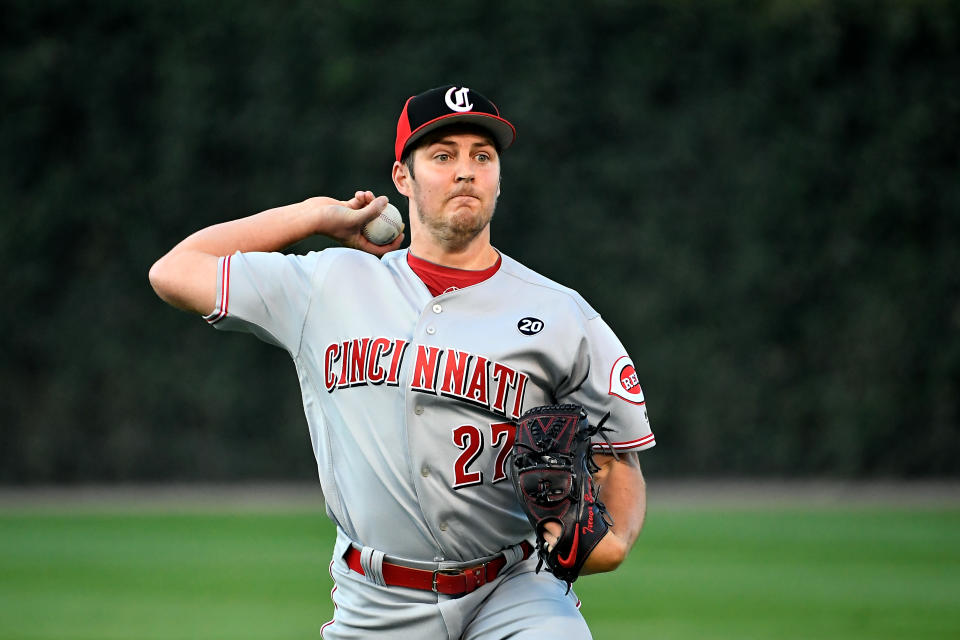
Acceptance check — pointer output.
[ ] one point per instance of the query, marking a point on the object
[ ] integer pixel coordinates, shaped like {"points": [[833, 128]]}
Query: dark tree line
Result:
{"points": [[763, 198]]}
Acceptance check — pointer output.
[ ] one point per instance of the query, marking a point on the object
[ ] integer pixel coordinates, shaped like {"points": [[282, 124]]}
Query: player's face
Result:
{"points": [[454, 188]]}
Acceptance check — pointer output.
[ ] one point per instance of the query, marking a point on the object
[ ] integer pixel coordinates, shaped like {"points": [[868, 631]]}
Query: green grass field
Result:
{"points": [[741, 573]]}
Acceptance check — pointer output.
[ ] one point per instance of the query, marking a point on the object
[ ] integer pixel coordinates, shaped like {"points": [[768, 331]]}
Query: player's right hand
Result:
{"points": [[343, 220]]}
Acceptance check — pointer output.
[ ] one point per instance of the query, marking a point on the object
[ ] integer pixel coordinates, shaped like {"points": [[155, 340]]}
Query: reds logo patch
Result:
{"points": [[624, 382]]}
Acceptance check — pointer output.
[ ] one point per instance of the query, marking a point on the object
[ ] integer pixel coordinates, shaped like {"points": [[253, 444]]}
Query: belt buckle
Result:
{"points": [[446, 572], [474, 577]]}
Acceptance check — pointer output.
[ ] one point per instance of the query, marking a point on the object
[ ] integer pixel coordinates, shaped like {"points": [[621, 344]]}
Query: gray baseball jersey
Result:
{"points": [[410, 398]]}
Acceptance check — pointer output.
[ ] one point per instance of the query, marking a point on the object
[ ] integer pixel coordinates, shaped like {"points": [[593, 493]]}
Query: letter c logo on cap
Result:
{"points": [[462, 103]]}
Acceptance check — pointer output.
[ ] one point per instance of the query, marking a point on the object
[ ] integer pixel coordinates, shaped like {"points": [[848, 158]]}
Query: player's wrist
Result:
{"points": [[320, 215], [609, 554]]}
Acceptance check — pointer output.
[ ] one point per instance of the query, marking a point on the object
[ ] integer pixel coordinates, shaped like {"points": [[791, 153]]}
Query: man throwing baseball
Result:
{"points": [[475, 424]]}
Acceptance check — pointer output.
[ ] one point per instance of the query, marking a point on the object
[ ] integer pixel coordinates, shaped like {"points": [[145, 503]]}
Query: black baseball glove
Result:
{"points": [[551, 472]]}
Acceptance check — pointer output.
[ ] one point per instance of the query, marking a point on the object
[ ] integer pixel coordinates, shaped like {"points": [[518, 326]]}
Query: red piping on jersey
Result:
{"points": [[629, 444], [332, 591], [226, 285], [221, 311]]}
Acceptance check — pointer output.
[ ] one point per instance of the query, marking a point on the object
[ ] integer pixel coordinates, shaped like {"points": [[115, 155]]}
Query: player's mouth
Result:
{"points": [[464, 193], [464, 200]]}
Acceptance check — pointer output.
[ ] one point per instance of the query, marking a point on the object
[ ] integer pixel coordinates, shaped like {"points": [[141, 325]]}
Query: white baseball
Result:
{"points": [[385, 227]]}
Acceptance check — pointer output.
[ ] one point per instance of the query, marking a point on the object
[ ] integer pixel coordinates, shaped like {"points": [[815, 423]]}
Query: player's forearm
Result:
{"points": [[623, 491], [270, 230], [186, 276]]}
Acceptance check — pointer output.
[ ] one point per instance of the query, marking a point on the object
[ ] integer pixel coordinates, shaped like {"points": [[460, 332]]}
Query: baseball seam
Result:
{"points": [[391, 222]]}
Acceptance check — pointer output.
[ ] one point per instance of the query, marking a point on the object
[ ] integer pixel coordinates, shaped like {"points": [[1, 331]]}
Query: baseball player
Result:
{"points": [[415, 367]]}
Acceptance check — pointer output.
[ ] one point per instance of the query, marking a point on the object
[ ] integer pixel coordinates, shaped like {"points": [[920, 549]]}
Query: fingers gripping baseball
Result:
{"points": [[361, 199], [345, 221]]}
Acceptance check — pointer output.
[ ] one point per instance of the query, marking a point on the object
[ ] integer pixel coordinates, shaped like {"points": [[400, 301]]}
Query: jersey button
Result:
{"points": [[431, 330], [425, 472], [418, 410], [437, 308], [443, 526]]}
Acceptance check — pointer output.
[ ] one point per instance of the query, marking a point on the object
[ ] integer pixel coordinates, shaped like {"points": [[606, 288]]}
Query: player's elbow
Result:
{"points": [[186, 280], [607, 556], [172, 278], [161, 279], [617, 552]]}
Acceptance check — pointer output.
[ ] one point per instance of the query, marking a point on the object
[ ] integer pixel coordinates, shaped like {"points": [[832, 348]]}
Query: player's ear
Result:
{"points": [[402, 179]]}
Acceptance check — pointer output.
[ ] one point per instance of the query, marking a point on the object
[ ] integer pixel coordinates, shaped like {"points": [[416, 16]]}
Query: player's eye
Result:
{"points": [[442, 157], [483, 157]]}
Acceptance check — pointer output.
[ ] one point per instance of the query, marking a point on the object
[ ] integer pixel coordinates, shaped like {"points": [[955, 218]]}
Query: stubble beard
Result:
{"points": [[456, 231]]}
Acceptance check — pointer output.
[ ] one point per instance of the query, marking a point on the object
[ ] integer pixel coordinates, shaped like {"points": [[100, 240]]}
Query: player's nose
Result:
{"points": [[465, 170]]}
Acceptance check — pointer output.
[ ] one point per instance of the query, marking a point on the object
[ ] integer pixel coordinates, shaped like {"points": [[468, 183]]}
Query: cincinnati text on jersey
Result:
{"points": [[451, 373]]}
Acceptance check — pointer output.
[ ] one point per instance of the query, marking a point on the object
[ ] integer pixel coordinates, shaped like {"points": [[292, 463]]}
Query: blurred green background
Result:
{"points": [[761, 197]]}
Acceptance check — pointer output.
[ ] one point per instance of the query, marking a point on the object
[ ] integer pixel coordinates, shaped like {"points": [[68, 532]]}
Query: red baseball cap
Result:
{"points": [[447, 105]]}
